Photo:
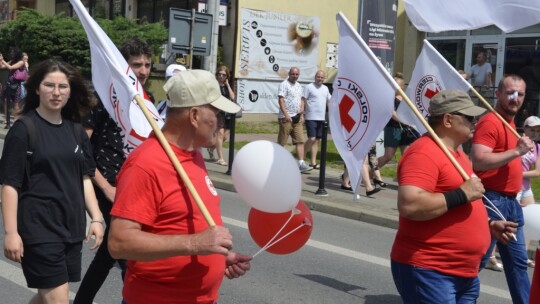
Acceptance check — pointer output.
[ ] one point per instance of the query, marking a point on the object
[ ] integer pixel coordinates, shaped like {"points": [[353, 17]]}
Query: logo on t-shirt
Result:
{"points": [[210, 185]]}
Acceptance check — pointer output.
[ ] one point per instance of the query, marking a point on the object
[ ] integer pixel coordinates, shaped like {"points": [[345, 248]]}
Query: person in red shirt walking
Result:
{"points": [[496, 156], [444, 230], [173, 256]]}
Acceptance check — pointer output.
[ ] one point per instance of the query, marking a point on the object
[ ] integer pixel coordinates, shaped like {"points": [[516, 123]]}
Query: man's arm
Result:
{"points": [[99, 180], [281, 102], [128, 241], [487, 80], [417, 204], [483, 157]]}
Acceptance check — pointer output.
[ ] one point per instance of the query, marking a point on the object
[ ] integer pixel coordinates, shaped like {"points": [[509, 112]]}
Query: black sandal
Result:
{"points": [[380, 183], [349, 188], [315, 166], [375, 190]]}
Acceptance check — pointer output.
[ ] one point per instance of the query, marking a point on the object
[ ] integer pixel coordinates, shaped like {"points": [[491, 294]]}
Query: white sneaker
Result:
{"points": [[303, 166]]}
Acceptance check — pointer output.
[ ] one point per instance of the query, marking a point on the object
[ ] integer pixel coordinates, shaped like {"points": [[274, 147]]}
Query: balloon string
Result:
{"points": [[277, 233], [278, 240], [498, 212], [494, 209]]}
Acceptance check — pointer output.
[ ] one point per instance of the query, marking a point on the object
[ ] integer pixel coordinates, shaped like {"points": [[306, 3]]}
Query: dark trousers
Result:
{"points": [[102, 262]]}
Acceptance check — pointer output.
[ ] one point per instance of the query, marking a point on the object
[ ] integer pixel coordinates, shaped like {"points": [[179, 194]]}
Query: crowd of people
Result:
{"points": [[442, 263], [63, 157]]}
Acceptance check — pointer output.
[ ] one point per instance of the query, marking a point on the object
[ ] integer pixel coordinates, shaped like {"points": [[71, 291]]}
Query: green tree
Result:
{"points": [[61, 37]]}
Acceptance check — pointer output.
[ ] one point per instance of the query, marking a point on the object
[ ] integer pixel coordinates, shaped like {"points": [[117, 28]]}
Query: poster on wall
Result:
{"points": [[258, 96], [273, 42], [377, 28]]}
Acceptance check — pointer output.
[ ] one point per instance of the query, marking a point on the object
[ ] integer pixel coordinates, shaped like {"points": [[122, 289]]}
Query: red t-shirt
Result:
{"points": [[491, 132], [453, 243], [150, 192]]}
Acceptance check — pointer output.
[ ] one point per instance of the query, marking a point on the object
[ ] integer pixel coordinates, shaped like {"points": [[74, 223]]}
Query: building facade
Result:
{"points": [[517, 52]]}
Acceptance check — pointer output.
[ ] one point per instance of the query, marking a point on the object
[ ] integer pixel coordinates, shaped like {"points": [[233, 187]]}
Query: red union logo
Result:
{"points": [[425, 89], [354, 111]]}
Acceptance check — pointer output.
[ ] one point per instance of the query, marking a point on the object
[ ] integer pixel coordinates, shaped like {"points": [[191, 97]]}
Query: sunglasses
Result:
{"points": [[471, 119], [222, 75]]}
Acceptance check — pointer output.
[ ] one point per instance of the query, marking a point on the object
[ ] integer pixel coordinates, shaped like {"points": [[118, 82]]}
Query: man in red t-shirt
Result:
{"points": [[173, 256], [443, 229], [496, 157]]}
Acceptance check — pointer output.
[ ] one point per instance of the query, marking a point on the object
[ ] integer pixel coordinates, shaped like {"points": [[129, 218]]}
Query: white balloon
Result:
{"points": [[266, 177], [531, 215]]}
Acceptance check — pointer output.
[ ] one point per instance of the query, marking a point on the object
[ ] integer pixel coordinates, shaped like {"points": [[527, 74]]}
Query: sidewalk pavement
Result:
{"points": [[379, 210]]}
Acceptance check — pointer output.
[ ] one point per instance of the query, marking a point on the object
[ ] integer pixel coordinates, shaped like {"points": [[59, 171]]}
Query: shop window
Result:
{"points": [[158, 10], [452, 50]]}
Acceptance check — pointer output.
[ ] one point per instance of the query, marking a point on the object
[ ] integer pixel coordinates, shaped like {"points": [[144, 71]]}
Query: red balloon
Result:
{"points": [[263, 226]]}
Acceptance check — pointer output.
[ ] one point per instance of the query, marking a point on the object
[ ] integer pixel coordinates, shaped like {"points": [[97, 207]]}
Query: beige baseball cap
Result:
{"points": [[448, 101], [196, 88]]}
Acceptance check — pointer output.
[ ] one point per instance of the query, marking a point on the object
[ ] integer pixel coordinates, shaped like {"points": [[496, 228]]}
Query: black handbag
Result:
{"points": [[296, 118]]}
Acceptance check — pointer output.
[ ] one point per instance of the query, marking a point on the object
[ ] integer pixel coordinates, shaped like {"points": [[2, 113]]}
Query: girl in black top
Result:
{"points": [[44, 197]]}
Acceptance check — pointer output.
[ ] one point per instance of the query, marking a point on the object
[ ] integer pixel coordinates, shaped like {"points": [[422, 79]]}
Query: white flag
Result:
{"points": [[116, 84], [456, 15], [362, 100], [431, 74]]}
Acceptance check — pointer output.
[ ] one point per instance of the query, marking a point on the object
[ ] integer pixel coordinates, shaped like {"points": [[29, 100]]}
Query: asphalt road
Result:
{"points": [[345, 261]]}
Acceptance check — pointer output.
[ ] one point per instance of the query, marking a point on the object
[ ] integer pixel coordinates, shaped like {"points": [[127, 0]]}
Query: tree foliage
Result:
{"points": [[62, 37]]}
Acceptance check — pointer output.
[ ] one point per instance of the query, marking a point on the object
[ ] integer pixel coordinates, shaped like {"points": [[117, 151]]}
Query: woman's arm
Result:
{"points": [[534, 172], [231, 92], [96, 224], [13, 245], [14, 66]]}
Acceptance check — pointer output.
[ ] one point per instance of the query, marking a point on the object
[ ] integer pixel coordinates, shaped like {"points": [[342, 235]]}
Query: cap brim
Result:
{"points": [[473, 111], [225, 105]]}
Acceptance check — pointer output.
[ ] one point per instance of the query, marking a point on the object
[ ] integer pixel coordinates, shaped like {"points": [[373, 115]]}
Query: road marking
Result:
{"points": [[494, 291], [15, 275]]}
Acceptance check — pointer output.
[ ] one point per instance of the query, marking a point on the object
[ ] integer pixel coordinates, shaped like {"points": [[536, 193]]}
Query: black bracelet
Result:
{"points": [[455, 198]]}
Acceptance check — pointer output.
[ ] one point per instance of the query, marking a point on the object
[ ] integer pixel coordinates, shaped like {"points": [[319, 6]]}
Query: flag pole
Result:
{"points": [[168, 150], [495, 112]]}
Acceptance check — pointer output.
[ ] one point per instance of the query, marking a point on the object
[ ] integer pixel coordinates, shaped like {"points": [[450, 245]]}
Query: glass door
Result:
{"points": [[484, 65]]}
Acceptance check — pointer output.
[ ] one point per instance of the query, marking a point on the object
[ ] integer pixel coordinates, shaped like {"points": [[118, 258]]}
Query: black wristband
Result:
{"points": [[455, 198]]}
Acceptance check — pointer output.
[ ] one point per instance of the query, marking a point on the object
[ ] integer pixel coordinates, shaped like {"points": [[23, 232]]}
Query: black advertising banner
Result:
{"points": [[377, 27]]}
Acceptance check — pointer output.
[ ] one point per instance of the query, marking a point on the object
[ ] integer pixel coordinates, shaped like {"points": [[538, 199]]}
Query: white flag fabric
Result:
{"points": [[455, 15], [116, 84], [362, 100], [431, 74]]}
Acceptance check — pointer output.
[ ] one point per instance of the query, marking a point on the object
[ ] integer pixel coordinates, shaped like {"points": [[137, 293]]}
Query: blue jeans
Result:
{"points": [[513, 255], [420, 285]]}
